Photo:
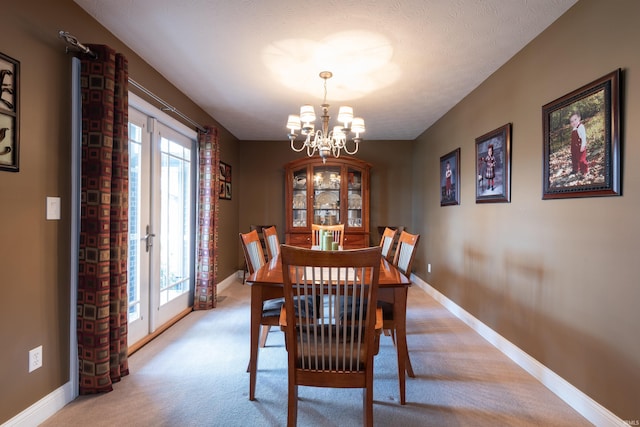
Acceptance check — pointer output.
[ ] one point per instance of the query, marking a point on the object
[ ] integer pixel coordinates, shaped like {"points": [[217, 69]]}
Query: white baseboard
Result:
{"points": [[583, 404], [233, 278], [37, 413]]}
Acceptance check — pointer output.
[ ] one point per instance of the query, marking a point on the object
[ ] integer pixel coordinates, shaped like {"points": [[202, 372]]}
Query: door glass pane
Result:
{"points": [[354, 187], [135, 185], [326, 195], [300, 198], [175, 255]]}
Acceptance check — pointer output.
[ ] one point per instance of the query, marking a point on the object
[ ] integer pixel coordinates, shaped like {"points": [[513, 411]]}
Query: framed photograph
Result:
{"points": [[581, 137], [449, 178], [225, 181], [9, 114], [493, 166]]}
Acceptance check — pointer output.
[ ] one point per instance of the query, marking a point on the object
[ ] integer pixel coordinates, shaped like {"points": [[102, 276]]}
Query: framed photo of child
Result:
{"points": [[493, 166], [581, 141], [449, 178]]}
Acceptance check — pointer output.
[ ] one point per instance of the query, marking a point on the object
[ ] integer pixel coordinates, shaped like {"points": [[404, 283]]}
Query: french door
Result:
{"points": [[161, 221]]}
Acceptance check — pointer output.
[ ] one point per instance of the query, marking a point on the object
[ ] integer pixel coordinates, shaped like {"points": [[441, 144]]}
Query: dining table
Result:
{"points": [[267, 283]]}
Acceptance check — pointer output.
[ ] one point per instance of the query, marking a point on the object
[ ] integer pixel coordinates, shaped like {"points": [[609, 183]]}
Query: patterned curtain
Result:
{"points": [[102, 275], [207, 240]]}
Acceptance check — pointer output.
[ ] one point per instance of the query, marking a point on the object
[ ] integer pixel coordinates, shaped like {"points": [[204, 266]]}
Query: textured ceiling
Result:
{"points": [[401, 64]]}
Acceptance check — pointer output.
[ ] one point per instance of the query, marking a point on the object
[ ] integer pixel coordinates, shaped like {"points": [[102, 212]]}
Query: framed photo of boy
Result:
{"points": [[225, 181], [581, 137], [9, 114], [449, 178], [493, 166]]}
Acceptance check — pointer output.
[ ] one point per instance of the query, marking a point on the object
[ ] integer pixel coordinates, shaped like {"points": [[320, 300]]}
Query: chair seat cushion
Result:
{"points": [[272, 307], [387, 308]]}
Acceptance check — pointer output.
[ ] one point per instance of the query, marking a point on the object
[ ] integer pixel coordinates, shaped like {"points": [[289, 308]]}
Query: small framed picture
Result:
{"points": [[581, 133], [493, 166], [9, 114], [449, 178], [225, 181]]}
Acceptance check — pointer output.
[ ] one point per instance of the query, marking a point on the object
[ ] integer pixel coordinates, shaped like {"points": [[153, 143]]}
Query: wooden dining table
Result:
{"points": [[267, 283]]}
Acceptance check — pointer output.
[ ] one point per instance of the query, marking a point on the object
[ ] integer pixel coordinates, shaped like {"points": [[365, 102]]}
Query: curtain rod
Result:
{"points": [[74, 43], [166, 106]]}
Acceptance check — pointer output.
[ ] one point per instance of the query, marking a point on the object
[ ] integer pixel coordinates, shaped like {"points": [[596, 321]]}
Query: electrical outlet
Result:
{"points": [[35, 358], [428, 268]]}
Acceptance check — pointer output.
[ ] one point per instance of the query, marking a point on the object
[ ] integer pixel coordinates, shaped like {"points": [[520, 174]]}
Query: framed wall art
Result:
{"points": [[225, 181], [449, 178], [9, 114], [581, 137], [493, 166]]}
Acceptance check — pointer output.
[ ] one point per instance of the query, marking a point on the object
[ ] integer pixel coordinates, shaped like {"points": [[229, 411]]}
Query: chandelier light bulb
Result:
{"points": [[293, 123], [345, 115], [307, 114], [357, 126]]}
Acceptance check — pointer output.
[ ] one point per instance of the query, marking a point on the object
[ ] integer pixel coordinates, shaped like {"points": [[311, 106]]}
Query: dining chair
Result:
{"points": [[337, 230], [260, 230], [403, 260], [272, 243], [386, 243], [334, 346], [254, 257]]}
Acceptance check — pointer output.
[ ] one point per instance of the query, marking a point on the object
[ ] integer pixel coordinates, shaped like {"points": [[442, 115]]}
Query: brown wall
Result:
{"points": [[558, 278], [35, 253]]}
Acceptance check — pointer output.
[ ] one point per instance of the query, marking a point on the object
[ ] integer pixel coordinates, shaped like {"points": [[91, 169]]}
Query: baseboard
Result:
{"points": [[37, 413], [583, 404], [230, 280]]}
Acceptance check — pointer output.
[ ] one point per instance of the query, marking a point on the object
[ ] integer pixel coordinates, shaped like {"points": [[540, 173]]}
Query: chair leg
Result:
{"points": [[292, 407], [263, 335], [367, 395]]}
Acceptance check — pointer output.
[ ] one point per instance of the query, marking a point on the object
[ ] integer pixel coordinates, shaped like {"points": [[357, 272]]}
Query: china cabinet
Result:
{"points": [[335, 192]]}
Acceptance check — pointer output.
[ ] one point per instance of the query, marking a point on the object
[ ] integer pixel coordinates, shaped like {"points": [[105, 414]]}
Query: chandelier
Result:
{"points": [[324, 141]]}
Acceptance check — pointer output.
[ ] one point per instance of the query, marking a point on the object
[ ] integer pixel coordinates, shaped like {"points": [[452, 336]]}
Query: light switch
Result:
{"points": [[53, 207]]}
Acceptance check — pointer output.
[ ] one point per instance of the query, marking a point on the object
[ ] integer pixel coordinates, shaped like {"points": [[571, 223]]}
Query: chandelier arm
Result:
{"points": [[356, 142], [297, 150], [311, 146]]}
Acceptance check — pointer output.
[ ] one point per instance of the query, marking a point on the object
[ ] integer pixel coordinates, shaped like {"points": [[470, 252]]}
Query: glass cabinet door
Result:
{"points": [[326, 195], [354, 194], [299, 199]]}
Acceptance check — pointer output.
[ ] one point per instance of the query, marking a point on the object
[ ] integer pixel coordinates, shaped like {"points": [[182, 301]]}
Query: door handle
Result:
{"points": [[148, 238]]}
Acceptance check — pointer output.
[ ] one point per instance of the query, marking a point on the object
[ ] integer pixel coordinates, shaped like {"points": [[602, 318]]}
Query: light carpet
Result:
{"points": [[194, 374]]}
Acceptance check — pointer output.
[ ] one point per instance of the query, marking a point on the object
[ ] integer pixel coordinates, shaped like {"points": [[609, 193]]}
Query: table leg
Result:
{"points": [[256, 315], [400, 318]]}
